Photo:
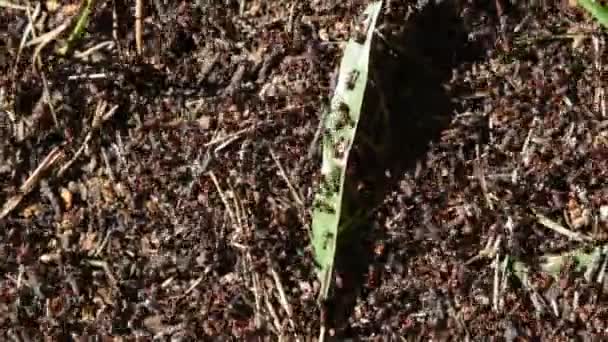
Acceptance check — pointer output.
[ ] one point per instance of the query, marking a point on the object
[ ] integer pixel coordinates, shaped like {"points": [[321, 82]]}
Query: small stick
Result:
{"points": [[289, 26], [29, 29], [525, 151], [103, 243], [225, 144], [107, 44], [283, 298], [256, 293], [8, 4], [482, 179], [193, 286], [322, 333], [115, 25], [313, 148], [139, 8], [222, 197], [237, 208], [273, 313], [228, 137], [556, 227], [98, 118], [31, 182], [294, 193], [106, 268], [36, 57], [46, 38], [503, 281], [496, 282], [602, 272]]}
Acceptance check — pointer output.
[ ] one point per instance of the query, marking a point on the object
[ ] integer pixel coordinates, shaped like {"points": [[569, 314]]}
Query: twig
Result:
{"points": [[107, 164], [139, 8], [322, 333], [504, 281], [246, 226], [96, 76], [537, 300], [273, 313], [115, 25], [599, 103], [242, 5], [20, 276], [47, 97], [558, 228], [553, 304], [313, 148], [496, 283], [235, 81], [103, 243], [222, 196], [36, 57], [106, 268], [575, 301], [193, 286], [488, 251], [602, 271], [8, 4], [525, 151], [46, 38], [294, 193], [98, 118], [31, 182], [82, 55], [283, 297], [228, 137], [481, 178], [225, 144], [256, 294], [594, 263], [289, 25], [165, 284], [237, 207], [26, 32]]}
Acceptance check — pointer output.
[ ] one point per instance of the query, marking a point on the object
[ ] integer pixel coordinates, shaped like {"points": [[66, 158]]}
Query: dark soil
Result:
{"points": [[171, 216]]}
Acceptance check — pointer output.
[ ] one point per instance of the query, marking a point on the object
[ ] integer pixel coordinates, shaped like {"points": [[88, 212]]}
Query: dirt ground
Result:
{"points": [[163, 205]]}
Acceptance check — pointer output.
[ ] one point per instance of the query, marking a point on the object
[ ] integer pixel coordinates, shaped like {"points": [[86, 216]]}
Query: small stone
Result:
{"points": [[604, 213], [204, 122], [67, 197]]}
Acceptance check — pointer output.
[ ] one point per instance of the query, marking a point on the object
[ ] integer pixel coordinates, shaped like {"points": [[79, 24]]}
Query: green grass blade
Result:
{"points": [[340, 126], [79, 28]]}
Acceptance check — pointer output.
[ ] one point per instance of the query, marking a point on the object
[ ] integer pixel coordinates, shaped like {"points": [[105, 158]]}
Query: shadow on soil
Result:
{"points": [[406, 87]]}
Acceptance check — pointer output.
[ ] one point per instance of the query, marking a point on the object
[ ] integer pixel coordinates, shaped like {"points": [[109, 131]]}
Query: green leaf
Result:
{"points": [[596, 10], [340, 126]]}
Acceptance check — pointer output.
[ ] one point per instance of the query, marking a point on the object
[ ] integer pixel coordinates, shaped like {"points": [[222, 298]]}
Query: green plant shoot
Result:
{"points": [[80, 27]]}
